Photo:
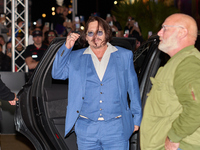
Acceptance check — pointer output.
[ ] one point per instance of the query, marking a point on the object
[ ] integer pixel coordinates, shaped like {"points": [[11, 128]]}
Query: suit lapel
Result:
{"points": [[84, 62], [118, 65]]}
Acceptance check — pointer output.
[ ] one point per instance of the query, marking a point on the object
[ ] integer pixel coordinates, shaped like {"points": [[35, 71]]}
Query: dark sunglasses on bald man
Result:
{"points": [[99, 33]]}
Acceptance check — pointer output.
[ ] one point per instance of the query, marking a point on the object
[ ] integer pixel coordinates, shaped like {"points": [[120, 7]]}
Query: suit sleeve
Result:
{"points": [[134, 92], [60, 65], [5, 93]]}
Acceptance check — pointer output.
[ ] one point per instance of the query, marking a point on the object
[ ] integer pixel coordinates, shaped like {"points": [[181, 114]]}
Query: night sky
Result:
{"points": [[85, 8]]}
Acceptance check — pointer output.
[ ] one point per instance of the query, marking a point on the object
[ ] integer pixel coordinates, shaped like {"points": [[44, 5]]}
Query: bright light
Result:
{"points": [[115, 2], [53, 13], [34, 23], [44, 15], [69, 12], [60, 2], [82, 28], [53, 8]]}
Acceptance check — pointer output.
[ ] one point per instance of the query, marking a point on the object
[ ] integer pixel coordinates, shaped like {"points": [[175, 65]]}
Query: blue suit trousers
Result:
{"points": [[100, 135]]}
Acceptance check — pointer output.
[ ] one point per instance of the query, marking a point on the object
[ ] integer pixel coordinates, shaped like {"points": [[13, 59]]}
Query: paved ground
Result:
{"points": [[15, 142]]}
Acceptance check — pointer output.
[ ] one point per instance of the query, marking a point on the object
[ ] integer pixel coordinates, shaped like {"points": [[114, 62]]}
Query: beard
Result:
{"points": [[96, 46], [169, 44]]}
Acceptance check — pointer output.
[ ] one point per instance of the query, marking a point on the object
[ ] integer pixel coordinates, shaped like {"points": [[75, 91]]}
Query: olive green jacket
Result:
{"points": [[173, 105]]}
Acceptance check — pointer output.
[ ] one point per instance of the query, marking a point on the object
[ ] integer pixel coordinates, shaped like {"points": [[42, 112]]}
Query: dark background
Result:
{"points": [[85, 8]]}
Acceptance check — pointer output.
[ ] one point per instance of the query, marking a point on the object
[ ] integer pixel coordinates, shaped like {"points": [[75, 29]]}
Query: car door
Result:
{"points": [[40, 113]]}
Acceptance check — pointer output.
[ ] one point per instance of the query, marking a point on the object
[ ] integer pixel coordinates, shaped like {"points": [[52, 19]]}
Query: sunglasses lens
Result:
{"points": [[51, 35], [100, 33], [90, 34]]}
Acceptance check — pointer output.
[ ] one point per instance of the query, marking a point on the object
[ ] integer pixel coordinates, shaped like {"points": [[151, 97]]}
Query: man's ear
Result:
{"points": [[183, 33]]}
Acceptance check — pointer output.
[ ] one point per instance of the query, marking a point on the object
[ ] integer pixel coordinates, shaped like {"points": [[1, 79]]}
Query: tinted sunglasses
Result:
{"points": [[99, 33], [51, 35]]}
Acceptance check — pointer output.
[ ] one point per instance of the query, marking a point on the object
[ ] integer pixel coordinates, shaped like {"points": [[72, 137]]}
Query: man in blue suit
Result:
{"points": [[100, 77]]}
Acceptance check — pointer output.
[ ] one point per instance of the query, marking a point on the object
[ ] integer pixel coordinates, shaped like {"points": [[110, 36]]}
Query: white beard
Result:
{"points": [[169, 44]]}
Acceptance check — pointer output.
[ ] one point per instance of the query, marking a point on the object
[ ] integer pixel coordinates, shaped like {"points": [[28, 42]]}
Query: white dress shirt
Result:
{"points": [[100, 66]]}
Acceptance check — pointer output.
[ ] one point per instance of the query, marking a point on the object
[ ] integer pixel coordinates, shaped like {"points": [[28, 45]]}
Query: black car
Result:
{"points": [[40, 113]]}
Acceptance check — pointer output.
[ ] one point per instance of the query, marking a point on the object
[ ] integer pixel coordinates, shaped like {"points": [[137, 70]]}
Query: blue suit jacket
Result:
{"points": [[73, 65]]}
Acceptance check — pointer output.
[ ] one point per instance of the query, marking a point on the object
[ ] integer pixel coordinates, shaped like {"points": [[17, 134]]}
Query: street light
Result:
{"points": [[53, 8], [44, 15]]}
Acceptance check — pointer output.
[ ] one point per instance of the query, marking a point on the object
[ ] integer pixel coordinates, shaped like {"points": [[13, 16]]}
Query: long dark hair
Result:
{"points": [[102, 23], [46, 42]]}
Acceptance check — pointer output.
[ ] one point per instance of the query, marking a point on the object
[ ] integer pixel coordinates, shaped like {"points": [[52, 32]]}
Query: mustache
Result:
{"points": [[93, 40], [102, 41]]}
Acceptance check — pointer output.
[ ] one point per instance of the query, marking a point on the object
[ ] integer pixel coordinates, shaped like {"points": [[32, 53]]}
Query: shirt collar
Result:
{"points": [[110, 49], [188, 48]]}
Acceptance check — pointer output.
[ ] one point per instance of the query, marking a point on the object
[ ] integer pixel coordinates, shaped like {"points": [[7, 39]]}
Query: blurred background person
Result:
{"points": [[45, 30], [9, 49], [65, 13], [115, 25], [30, 37], [3, 29], [39, 23], [34, 52], [133, 30], [2, 55], [49, 36], [69, 28], [7, 58], [3, 43], [6, 64], [58, 20]]}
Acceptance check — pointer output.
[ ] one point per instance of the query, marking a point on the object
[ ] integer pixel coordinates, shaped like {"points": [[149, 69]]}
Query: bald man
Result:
{"points": [[171, 117]]}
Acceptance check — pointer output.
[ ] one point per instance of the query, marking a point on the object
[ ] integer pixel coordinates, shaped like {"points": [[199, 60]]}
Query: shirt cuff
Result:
{"points": [[173, 137]]}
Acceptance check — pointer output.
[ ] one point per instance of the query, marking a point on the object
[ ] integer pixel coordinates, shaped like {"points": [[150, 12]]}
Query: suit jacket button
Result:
{"points": [[77, 111]]}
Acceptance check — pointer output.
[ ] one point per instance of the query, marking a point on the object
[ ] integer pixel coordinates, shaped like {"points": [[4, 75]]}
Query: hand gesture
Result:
{"points": [[71, 39], [13, 102], [45, 29]]}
